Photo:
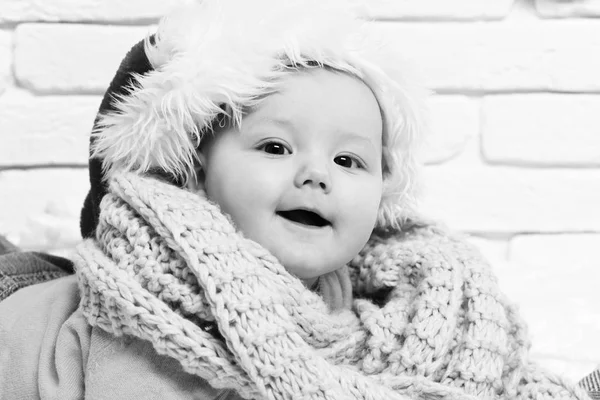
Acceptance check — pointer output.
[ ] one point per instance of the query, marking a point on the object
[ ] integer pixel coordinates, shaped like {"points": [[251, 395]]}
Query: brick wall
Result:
{"points": [[513, 160]]}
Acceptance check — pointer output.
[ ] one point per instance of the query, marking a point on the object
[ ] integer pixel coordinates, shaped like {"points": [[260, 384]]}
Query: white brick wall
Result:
{"points": [[74, 57], [132, 11], [512, 200], [454, 123], [514, 156], [40, 206], [569, 8], [567, 124], [519, 55], [436, 9], [5, 58], [566, 269], [56, 135]]}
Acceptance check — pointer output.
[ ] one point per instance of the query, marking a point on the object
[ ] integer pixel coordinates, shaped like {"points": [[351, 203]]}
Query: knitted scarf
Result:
{"points": [[427, 319]]}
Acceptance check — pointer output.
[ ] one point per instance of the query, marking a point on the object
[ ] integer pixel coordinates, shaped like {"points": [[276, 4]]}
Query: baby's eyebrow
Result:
{"points": [[287, 123], [347, 135], [353, 136]]}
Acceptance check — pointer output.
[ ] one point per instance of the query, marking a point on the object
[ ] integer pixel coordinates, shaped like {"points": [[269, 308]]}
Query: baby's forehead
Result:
{"points": [[319, 99]]}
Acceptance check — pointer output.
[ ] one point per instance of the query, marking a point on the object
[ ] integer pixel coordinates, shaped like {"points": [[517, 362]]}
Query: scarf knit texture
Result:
{"points": [[426, 319]]}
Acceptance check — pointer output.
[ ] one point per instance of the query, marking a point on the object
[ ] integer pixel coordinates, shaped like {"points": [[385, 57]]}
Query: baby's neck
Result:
{"points": [[334, 287]]}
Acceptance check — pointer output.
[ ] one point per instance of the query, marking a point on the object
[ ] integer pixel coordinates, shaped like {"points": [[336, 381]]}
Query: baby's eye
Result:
{"points": [[274, 148], [348, 162]]}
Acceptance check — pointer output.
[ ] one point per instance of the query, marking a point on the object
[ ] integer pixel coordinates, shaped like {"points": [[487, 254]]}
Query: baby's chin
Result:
{"points": [[307, 268]]}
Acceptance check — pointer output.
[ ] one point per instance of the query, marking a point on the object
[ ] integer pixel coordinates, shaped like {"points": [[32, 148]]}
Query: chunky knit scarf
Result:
{"points": [[427, 319]]}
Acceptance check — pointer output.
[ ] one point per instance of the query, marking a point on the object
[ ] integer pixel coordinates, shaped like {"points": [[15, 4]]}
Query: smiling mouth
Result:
{"points": [[304, 217]]}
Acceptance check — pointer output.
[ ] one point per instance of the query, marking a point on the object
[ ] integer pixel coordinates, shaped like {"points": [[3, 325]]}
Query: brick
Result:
{"points": [[556, 299], [578, 252], [45, 130], [567, 9], [494, 250], [71, 57], [436, 9], [454, 122], [554, 280], [113, 10], [39, 208], [542, 129], [469, 157], [501, 56], [507, 200], [573, 370], [83, 10], [5, 59]]}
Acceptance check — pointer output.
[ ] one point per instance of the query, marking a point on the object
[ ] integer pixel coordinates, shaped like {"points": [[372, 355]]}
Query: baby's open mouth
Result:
{"points": [[304, 217]]}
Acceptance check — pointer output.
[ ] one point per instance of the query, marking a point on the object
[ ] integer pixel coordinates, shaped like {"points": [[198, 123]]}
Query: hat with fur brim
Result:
{"points": [[135, 63], [216, 57]]}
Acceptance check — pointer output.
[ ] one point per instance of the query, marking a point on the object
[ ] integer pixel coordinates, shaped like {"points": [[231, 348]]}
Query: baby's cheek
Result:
{"points": [[255, 187], [361, 207], [366, 197]]}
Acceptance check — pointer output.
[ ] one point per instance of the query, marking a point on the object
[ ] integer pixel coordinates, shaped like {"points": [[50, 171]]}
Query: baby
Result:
{"points": [[251, 232]]}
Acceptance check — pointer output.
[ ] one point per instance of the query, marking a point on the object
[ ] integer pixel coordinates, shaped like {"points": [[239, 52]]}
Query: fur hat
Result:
{"points": [[218, 57]]}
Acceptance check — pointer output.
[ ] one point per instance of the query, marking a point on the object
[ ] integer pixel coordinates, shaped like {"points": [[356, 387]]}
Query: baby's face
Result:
{"points": [[302, 176]]}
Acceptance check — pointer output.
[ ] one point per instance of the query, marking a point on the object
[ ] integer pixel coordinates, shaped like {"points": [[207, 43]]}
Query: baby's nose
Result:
{"points": [[315, 176]]}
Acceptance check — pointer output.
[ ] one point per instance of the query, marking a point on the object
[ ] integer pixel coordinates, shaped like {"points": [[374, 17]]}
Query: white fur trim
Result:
{"points": [[216, 53]]}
